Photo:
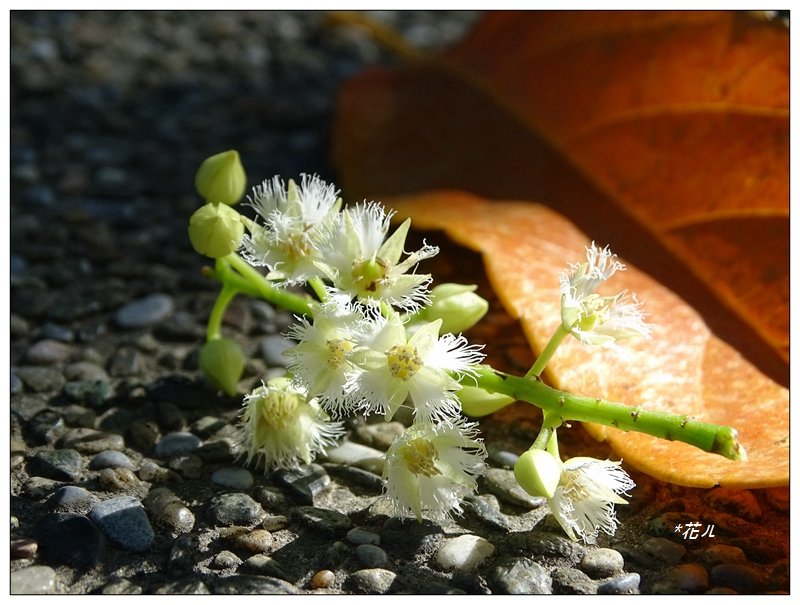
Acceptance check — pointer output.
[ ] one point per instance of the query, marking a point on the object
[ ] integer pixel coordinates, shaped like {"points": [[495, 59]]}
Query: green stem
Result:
{"points": [[225, 296], [550, 423], [565, 406], [281, 298], [544, 357], [318, 287]]}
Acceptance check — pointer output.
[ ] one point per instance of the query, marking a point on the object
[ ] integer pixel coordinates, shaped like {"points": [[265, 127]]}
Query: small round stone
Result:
{"points": [[503, 484], [523, 576], [117, 586], [85, 370], [166, 508], [89, 392], [232, 476], [625, 584], [145, 312], [234, 509], [91, 441], [324, 578], [328, 522], [188, 465], [118, 479], [665, 549], [110, 459], [176, 443], [226, 560], [61, 464], [371, 556], [722, 553], [359, 535], [24, 549], [602, 563], [371, 581], [72, 499], [48, 352], [463, 553], [36, 579], [257, 541]]}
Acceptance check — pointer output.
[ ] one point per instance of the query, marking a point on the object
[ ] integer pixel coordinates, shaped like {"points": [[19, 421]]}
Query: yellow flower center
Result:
{"points": [[338, 349], [420, 456], [403, 361], [296, 246], [367, 275], [279, 409]]}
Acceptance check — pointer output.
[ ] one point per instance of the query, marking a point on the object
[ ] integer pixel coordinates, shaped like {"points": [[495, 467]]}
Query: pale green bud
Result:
{"points": [[216, 230], [538, 473], [477, 402], [222, 361], [456, 305], [221, 178]]}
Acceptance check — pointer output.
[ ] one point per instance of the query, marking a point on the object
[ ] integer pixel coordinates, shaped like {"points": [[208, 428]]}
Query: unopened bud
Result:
{"points": [[456, 305], [477, 402], [221, 178], [538, 473], [216, 230], [222, 362]]}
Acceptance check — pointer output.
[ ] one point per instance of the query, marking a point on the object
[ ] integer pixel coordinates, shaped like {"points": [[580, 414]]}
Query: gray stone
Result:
{"points": [[303, 482], [110, 459], [71, 499], [568, 580], [48, 352], [665, 549], [183, 553], [126, 362], [70, 539], [355, 476], [16, 385], [328, 522], [120, 586], [90, 392], [258, 541], [486, 509], [61, 464], [40, 487], [522, 576], [41, 379], [176, 443], [77, 415], [124, 522], [188, 465], [231, 476], [36, 579], [502, 483], [225, 560], [538, 543], [85, 370], [744, 579], [91, 441], [371, 581], [47, 426], [359, 535], [263, 565], [355, 454], [234, 509], [273, 348], [371, 556], [246, 584], [602, 563], [184, 586], [118, 479], [502, 458], [169, 510], [380, 435], [463, 553], [625, 584], [145, 312]]}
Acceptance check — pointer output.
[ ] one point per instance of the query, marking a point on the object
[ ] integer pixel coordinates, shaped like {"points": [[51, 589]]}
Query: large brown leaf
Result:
{"points": [[683, 369], [663, 134]]}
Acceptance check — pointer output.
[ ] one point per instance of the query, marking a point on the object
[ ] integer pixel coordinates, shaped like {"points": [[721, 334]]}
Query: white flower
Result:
{"points": [[282, 427], [324, 360], [359, 262], [431, 469], [588, 489], [293, 221], [420, 367], [595, 319]]}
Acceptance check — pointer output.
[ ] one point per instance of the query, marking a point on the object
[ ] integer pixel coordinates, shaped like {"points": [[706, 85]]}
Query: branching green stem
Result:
{"points": [[281, 298], [544, 357], [563, 406], [225, 296]]}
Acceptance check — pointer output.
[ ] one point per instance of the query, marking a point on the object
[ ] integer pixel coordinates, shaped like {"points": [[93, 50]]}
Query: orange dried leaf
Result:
{"points": [[664, 134], [683, 369]]}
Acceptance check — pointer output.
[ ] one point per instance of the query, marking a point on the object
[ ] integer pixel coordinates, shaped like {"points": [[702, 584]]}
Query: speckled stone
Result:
{"points": [[36, 579], [72, 499], [502, 483], [120, 586], [568, 580], [538, 543], [89, 392], [234, 509], [188, 465], [486, 509], [256, 541], [522, 576], [463, 553], [602, 563], [371, 581], [124, 522], [118, 479], [225, 560]]}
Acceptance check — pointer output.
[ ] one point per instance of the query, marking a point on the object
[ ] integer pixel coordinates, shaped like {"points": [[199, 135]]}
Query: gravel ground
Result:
{"points": [[123, 475]]}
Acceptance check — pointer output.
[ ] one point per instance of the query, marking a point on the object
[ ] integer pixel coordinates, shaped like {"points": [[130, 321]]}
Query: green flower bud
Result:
{"points": [[221, 178], [222, 361], [477, 402], [456, 305], [215, 230], [538, 473]]}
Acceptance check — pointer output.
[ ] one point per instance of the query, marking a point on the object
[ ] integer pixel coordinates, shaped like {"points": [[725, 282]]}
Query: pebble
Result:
{"points": [[665, 549], [262, 565], [625, 584], [741, 578], [234, 477], [234, 509], [85, 370], [722, 553], [145, 312], [39, 487], [740, 502], [602, 563], [36, 579], [24, 549], [539, 543], [324, 578], [142, 434], [167, 509], [91, 441], [504, 485], [568, 580], [357, 476], [225, 560], [257, 541], [71, 499], [118, 479], [380, 435], [47, 426], [689, 578], [218, 451], [328, 522], [120, 586], [522, 576], [261, 585], [502, 458], [355, 454], [272, 349], [207, 426], [359, 535], [463, 553], [274, 522], [41, 379], [150, 471], [371, 556], [182, 553], [110, 459], [486, 509], [48, 352], [77, 415], [124, 522], [57, 332], [60, 464], [184, 586], [176, 443], [303, 482], [16, 384], [188, 465], [90, 392], [126, 362], [70, 539], [371, 581]]}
